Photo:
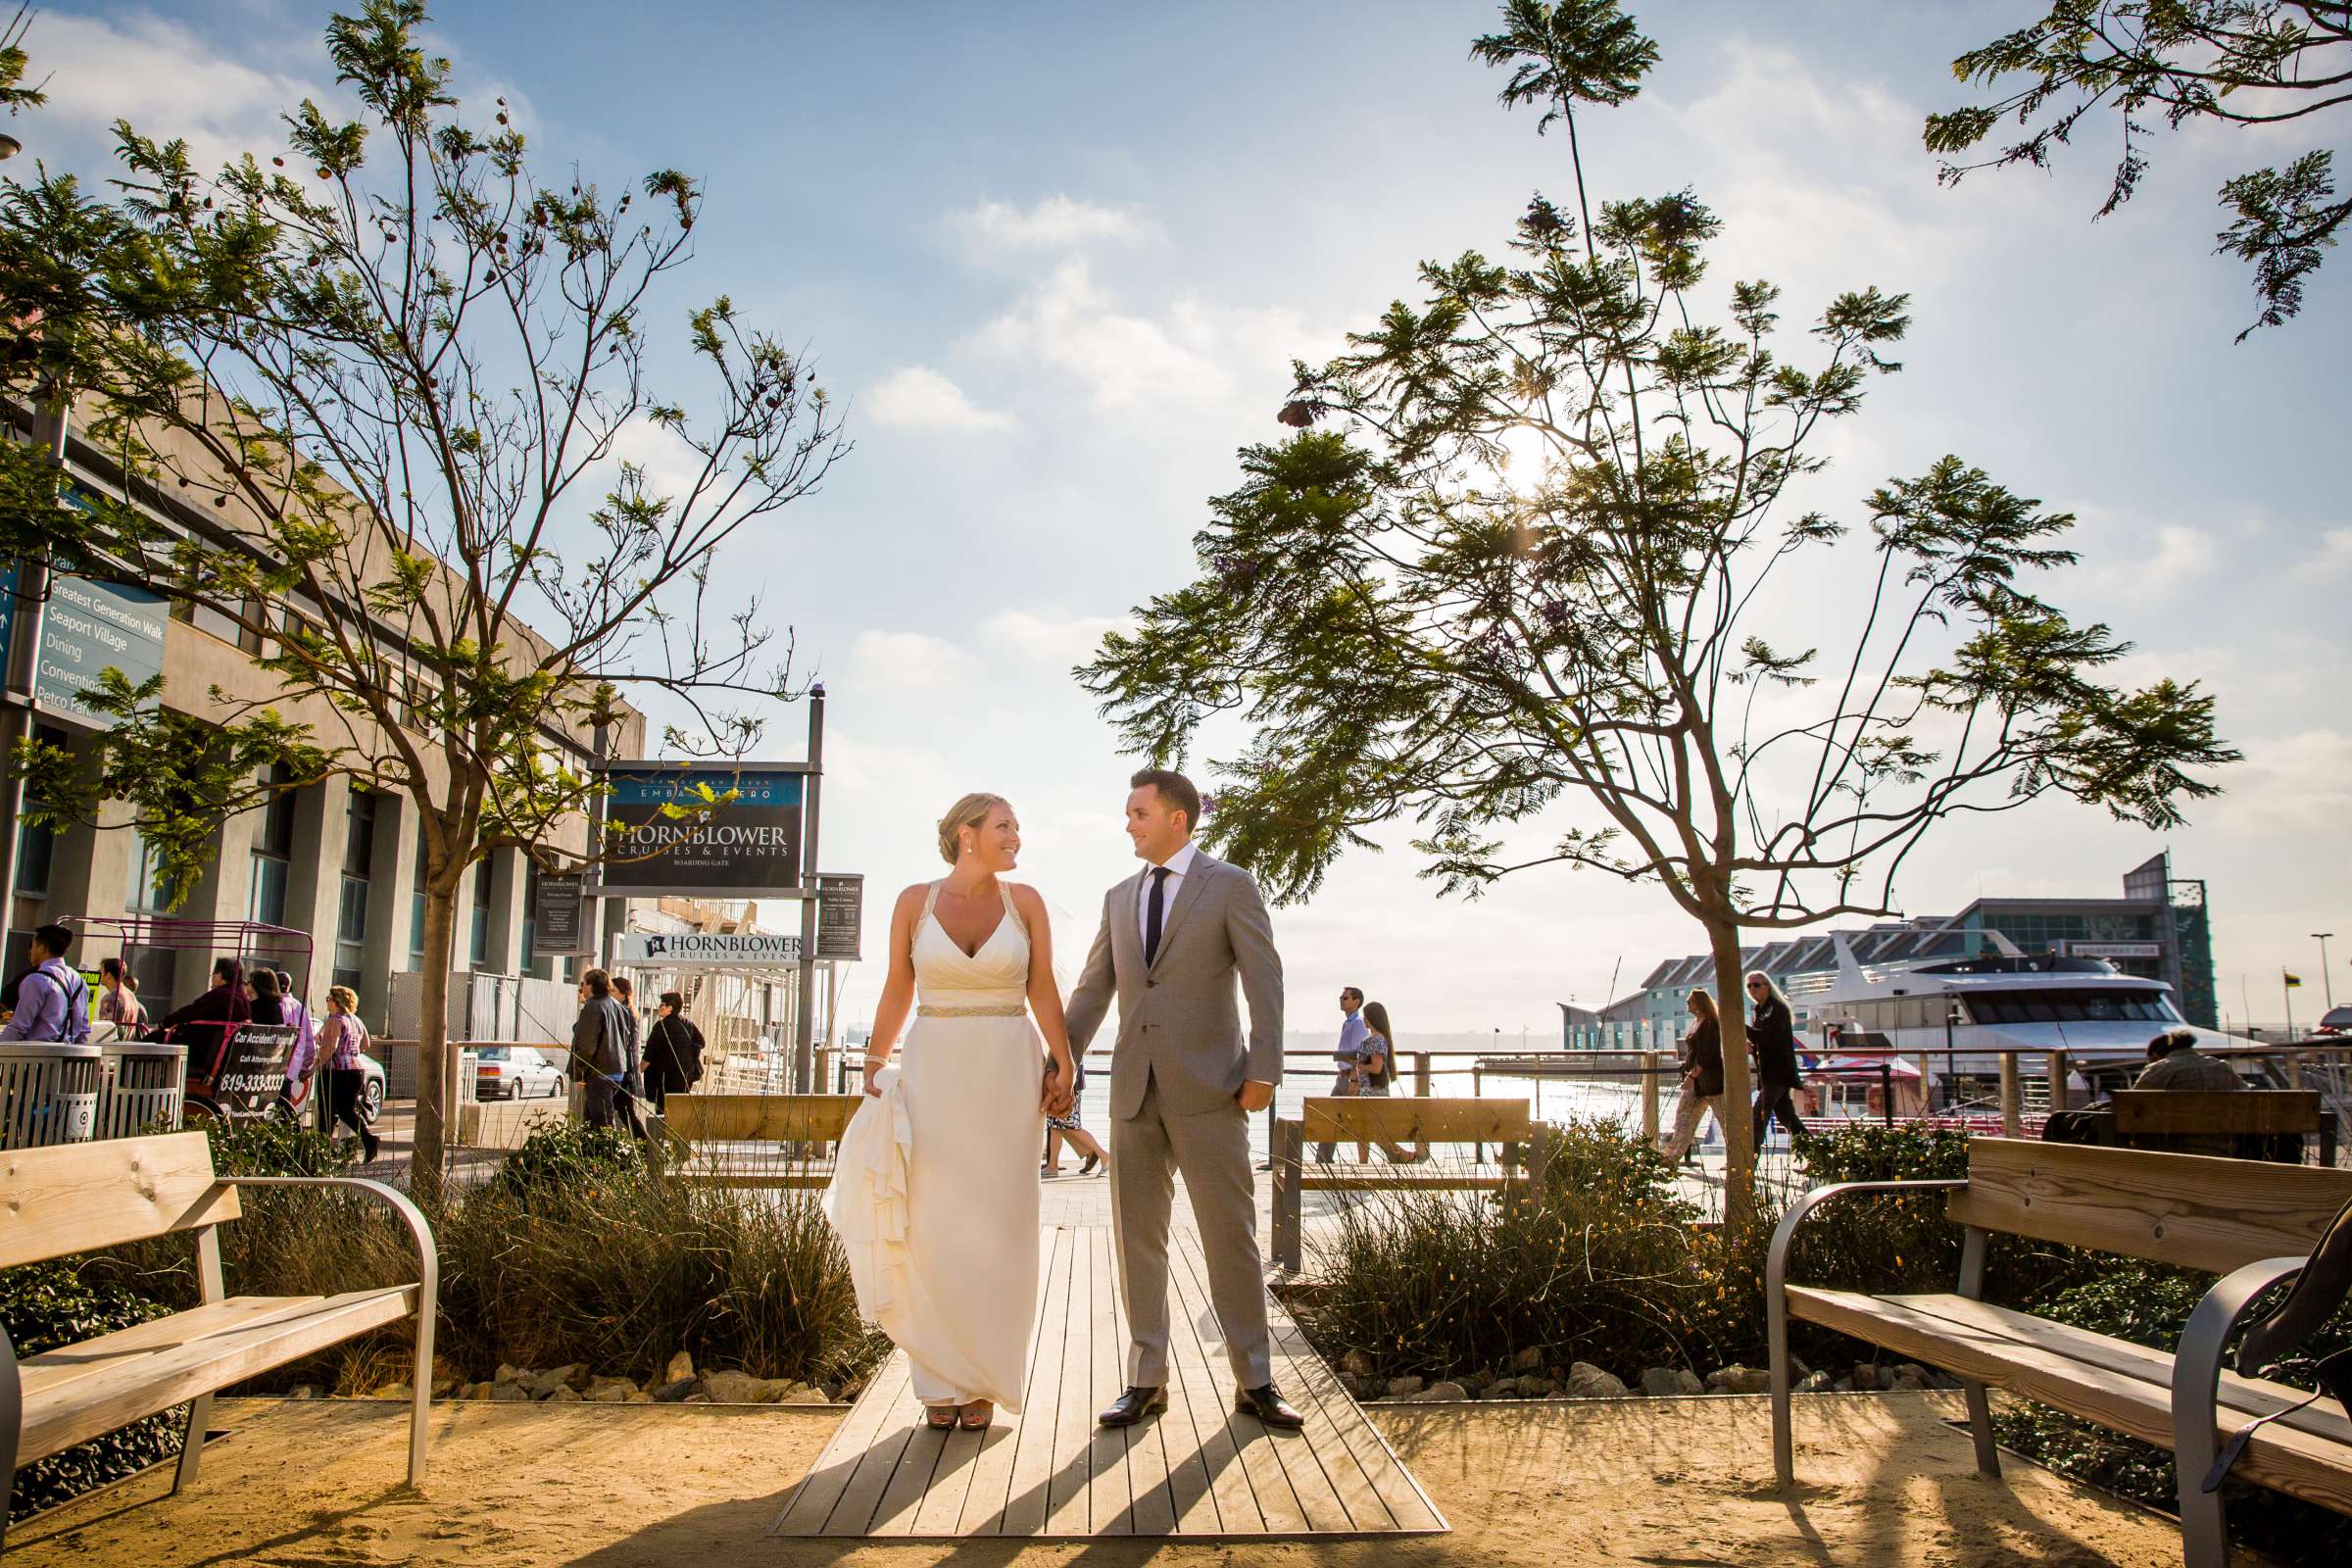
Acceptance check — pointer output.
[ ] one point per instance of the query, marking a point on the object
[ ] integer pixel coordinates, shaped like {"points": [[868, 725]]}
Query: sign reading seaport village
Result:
{"points": [[703, 830]]}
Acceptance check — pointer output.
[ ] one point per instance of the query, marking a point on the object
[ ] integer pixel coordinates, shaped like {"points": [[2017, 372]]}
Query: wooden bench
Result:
{"points": [[757, 1140], [2251, 1221], [2148, 1118], [1396, 1122], [79, 1198]]}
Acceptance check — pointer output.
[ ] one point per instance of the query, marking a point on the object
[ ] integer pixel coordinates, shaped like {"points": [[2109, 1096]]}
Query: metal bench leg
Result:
{"points": [[1775, 1320], [420, 1386], [1977, 1394], [12, 1426], [191, 1447]]}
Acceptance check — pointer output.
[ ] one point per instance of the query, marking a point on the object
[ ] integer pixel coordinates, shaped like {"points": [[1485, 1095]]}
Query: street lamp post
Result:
{"points": [[2326, 982]]}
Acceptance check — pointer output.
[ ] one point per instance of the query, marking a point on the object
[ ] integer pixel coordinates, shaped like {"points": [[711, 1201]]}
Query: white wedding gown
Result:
{"points": [[949, 1266]]}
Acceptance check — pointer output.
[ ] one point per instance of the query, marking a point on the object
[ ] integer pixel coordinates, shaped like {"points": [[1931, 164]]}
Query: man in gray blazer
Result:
{"points": [[1183, 1085]]}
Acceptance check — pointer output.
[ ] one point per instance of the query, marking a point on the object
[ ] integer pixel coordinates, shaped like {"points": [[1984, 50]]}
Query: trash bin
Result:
{"points": [[141, 1084], [48, 1092]]}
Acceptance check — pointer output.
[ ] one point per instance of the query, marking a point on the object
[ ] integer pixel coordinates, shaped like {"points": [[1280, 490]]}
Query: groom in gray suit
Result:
{"points": [[1183, 1085]]}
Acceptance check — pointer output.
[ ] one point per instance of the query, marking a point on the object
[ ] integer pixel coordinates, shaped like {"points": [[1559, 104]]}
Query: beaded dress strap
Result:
{"points": [[1011, 912], [931, 899]]}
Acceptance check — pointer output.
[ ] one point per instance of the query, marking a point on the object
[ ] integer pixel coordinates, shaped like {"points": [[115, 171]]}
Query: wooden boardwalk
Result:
{"points": [[1198, 1470]]}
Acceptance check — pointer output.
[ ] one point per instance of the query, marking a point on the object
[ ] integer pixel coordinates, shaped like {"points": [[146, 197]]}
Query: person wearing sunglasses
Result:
{"points": [[1772, 1032]]}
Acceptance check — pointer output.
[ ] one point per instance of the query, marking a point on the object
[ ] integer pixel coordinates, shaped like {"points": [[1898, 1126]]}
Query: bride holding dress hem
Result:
{"points": [[936, 1195]]}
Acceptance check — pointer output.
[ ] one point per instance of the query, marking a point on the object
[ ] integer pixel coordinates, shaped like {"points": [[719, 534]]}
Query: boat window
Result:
{"points": [[2070, 1006]]}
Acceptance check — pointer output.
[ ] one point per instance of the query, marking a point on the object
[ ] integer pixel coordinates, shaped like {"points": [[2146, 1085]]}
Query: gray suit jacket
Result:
{"points": [[1179, 1019]]}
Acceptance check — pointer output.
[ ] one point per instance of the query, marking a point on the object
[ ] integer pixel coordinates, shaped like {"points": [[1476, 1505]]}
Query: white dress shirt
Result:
{"points": [[1178, 864]]}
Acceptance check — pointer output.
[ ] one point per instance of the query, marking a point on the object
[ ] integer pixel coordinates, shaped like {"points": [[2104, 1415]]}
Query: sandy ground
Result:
{"points": [[1666, 1484]]}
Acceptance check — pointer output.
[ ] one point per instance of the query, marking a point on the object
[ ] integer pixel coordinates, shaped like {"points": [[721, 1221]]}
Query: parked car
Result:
{"points": [[372, 1093], [515, 1072]]}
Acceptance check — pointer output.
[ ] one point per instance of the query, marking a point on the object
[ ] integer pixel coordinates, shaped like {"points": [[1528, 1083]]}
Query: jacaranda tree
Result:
{"points": [[400, 387], [1529, 566]]}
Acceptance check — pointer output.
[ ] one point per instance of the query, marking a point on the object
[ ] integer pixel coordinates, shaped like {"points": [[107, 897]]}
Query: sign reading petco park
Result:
{"points": [[703, 830], [685, 949]]}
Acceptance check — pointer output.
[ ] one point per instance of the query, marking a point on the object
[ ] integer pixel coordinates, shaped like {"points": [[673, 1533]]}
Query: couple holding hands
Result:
{"points": [[936, 1193]]}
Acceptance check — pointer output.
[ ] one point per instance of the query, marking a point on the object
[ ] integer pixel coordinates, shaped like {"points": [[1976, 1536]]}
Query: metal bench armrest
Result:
{"points": [[1775, 1297], [2196, 1399], [429, 1288]]}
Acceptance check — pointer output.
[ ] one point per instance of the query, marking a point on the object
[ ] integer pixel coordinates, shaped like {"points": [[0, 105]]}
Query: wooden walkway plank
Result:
{"points": [[1198, 1471], [1066, 1505], [982, 1510], [1291, 1451], [1210, 1371], [1153, 1510], [1027, 1493]]}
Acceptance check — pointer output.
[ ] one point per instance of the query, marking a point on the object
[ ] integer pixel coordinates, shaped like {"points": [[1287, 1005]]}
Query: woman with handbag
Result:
{"points": [[1073, 1128]]}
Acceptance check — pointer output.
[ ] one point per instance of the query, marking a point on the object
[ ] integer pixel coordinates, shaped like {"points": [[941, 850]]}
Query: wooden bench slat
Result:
{"points": [[47, 1374], [2146, 1113], [125, 1387], [2193, 1211], [760, 1118], [2288, 1457], [2252, 1397], [1414, 1120], [79, 1197]]}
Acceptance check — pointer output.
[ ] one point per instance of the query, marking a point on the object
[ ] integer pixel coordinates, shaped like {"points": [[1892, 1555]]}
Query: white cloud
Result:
{"points": [[2182, 554], [1057, 223], [919, 398], [2294, 789], [168, 82], [1189, 354], [1057, 642], [2335, 550], [908, 660]]}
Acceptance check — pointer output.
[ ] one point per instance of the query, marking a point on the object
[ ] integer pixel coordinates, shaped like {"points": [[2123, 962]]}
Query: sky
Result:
{"points": [[1056, 259]]}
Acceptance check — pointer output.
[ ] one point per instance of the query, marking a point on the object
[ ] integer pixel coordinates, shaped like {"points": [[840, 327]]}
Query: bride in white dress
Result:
{"points": [[937, 1194]]}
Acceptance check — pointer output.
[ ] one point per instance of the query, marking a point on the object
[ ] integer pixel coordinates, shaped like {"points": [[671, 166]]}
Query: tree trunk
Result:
{"points": [[435, 1111], [1739, 1137]]}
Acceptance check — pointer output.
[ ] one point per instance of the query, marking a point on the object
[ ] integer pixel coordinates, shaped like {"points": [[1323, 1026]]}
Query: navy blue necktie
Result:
{"points": [[1151, 914]]}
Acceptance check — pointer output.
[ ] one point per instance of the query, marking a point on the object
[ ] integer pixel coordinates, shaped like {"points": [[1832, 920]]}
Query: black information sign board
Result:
{"points": [[559, 918], [839, 915]]}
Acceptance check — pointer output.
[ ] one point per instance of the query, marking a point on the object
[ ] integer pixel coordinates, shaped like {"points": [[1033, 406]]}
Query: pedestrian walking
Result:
{"points": [[625, 992], [602, 1055], [1772, 1032], [1348, 1052], [1702, 1077], [119, 1000], [302, 1062], [341, 1039], [53, 1001], [1072, 1127], [673, 1052], [1375, 1071]]}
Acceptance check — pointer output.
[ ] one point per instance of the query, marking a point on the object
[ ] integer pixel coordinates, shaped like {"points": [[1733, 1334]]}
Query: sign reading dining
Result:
{"points": [[694, 829]]}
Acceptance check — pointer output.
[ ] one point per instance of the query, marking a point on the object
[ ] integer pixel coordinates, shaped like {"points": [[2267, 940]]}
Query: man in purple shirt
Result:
{"points": [[1349, 1053], [53, 1003]]}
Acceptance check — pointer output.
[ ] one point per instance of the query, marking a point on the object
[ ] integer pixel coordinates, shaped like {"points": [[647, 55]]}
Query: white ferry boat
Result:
{"points": [[1939, 1014]]}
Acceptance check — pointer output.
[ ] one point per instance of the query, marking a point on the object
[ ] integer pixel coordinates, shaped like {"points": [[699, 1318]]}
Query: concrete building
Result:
{"points": [[2157, 930], [338, 860]]}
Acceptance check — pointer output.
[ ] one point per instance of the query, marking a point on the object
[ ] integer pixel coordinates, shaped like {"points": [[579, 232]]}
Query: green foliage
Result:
{"points": [[269, 1146], [560, 1155], [2238, 62], [65, 1301]]}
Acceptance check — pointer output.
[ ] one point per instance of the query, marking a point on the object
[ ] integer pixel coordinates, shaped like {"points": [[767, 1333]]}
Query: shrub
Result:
{"points": [[562, 1155], [63, 1301]]}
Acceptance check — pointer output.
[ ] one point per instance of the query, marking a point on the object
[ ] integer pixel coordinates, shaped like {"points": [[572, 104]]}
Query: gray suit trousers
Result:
{"points": [[1211, 1150]]}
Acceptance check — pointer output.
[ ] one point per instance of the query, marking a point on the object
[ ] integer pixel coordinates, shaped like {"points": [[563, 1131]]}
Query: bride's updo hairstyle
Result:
{"points": [[971, 811]]}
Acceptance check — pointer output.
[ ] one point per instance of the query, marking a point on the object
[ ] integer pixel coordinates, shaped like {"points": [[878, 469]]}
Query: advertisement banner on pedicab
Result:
{"points": [[254, 1069]]}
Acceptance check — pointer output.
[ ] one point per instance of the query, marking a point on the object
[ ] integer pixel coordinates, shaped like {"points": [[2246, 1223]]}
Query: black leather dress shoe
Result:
{"points": [[1269, 1407], [1133, 1405]]}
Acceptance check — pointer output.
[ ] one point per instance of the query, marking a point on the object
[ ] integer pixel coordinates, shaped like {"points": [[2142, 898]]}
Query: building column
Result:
{"points": [[89, 872], [391, 896], [223, 893], [507, 883], [314, 879]]}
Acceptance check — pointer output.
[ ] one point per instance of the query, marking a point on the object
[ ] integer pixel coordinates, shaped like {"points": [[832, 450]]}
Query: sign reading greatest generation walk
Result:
{"points": [[750, 847], [88, 627]]}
